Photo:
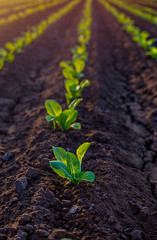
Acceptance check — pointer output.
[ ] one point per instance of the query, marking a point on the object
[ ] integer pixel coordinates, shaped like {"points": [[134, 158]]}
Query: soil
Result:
{"points": [[118, 116]]}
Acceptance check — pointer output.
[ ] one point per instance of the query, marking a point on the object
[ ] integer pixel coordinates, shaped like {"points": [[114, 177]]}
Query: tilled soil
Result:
{"points": [[118, 116]]}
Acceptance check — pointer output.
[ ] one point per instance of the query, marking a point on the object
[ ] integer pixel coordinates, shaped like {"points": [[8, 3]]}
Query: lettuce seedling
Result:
{"points": [[79, 52], [152, 52], [142, 39], [6, 56], [64, 119], [73, 69], [68, 165], [74, 88]]}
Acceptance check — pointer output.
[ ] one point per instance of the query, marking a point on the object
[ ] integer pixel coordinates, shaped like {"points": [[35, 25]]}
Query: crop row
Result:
{"points": [[67, 164], [8, 3], [136, 11], [22, 14], [8, 53], [144, 8], [21, 7], [141, 37], [151, 3]]}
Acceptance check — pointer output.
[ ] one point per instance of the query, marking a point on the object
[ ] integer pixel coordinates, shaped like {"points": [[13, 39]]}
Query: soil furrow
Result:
{"points": [[118, 118]]}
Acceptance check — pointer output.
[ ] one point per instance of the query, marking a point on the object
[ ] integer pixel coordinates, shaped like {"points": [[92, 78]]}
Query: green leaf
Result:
{"points": [[61, 120], [53, 108], [71, 117], [73, 164], [68, 98], [79, 65], [3, 53], [64, 64], [74, 103], [76, 126], [10, 57], [87, 176], [1, 63], [10, 46], [49, 118], [82, 150], [68, 73], [69, 83], [60, 154], [61, 169], [84, 83]]}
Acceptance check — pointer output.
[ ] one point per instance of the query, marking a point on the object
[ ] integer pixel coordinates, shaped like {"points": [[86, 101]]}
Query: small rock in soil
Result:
{"points": [[8, 156], [136, 235], [29, 228], [112, 220], [73, 209], [57, 233], [32, 173], [14, 200], [24, 219], [21, 235], [21, 184], [13, 167], [45, 163], [42, 233], [144, 212], [68, 194]]}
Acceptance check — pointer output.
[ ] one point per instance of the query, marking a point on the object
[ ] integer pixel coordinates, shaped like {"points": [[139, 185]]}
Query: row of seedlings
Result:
{"points": [[141, 37], [8, 53], [20, 7], [136, 11], [144, 8], [29, 11], [67, 164]]}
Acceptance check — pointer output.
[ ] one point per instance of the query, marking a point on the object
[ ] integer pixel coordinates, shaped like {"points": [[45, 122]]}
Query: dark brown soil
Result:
{"points": [[118, 116]]}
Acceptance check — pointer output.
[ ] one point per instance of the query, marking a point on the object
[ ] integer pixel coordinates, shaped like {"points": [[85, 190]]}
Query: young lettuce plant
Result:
{"points": [[68, 165], [6, 56], [142, 39], [74, 88], [79, 52], [73, 69], [64, 119], [152, 52]]}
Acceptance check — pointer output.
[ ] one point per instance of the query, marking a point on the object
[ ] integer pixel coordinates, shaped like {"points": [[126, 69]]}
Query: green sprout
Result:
{"points": [[142, 39], [74, 88], [73, 69], [68, 165], [64, 119], [152, 52]]}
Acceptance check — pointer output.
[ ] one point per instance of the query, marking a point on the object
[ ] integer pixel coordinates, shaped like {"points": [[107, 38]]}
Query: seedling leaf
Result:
{"points": [[60, 154], [61, 169], [87, 176], [74, 103], [82, 150], [53, 108]]}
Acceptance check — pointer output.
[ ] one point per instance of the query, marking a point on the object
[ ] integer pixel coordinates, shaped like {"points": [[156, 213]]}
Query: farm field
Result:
{"points": [[79, 76]]}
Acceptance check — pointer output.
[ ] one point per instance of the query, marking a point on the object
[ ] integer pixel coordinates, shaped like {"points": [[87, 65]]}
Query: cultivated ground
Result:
{"points": [[118, 116]]}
